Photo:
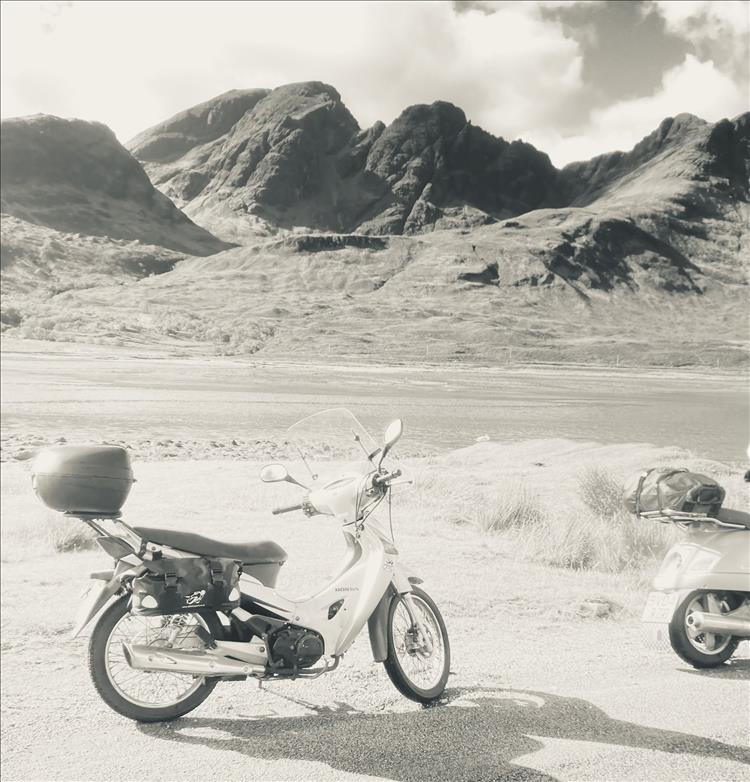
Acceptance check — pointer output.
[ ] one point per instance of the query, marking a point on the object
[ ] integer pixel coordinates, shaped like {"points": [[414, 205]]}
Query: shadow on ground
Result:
{"points": [[734, 669], [475, 736]]}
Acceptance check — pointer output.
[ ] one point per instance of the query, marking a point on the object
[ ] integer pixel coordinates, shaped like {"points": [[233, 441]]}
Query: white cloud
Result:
{"points": [[695, 87], [704, 18], [718, 29], [133, 64]]}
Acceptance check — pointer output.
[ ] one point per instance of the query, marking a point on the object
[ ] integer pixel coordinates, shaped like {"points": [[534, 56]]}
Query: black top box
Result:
{"points": [[90, 479]]}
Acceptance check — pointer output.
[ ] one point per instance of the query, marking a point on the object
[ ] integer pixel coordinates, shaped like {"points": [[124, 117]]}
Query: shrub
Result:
{"points": [[10, 317], [600, 491]]}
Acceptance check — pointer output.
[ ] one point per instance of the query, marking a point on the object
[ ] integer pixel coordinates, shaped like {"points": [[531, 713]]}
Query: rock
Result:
{"points": [[598, 608]]}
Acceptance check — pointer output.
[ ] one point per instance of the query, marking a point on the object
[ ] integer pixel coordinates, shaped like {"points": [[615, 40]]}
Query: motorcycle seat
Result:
{"points": [[734, 517], [261, 552]]}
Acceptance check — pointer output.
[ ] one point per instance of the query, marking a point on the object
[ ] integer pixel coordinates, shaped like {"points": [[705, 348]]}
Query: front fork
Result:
{"points": [[377, 624], [418, 638]]}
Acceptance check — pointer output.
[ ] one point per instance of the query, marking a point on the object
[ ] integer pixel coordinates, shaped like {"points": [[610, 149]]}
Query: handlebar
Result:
{"points": [[381, 480], [286, 509]]}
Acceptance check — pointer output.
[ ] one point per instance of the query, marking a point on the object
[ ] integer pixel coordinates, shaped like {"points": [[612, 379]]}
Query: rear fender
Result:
{"points": [[96, 599], [717, 560], [100, 596]]}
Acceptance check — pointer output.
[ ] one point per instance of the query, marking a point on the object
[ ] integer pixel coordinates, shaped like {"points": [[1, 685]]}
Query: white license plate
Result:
{"points": [[660, 606]]}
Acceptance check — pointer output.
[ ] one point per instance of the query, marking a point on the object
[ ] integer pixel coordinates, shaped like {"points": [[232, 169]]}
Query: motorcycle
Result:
{"points": [[701, 597], [160, 667]]}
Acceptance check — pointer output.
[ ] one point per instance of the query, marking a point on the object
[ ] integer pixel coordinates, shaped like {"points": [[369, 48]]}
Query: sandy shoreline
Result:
{"points": [[179, 354]]}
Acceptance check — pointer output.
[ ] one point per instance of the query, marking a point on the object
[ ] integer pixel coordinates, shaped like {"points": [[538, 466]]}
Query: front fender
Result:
{"points": [[377, 624]]}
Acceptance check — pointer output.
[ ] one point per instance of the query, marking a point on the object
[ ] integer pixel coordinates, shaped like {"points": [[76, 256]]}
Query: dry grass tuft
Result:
{"points": [[514, 508], [600, 491], [585, 541], [66, 534]]}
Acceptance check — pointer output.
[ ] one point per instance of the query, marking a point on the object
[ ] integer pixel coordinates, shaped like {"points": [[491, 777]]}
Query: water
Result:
{"points": [[106, 395]]}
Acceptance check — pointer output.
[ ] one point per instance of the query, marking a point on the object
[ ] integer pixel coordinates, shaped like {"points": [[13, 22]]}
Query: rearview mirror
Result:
{"points": [[392, 434], [272, 473]]}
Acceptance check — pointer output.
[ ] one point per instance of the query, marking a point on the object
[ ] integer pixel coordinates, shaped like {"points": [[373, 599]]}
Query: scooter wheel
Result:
{"points": [[140, 696], [700, 649], [417, 667]]}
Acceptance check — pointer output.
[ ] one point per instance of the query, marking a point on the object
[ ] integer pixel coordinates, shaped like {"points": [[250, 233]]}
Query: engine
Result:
{"points": [[295, 647]]}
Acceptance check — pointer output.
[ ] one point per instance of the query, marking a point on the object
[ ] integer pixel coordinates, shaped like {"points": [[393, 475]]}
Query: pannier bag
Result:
{"points": [[673, 490], [177, 585]]}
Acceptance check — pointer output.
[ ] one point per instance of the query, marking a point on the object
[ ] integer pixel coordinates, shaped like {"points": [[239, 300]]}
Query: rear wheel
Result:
{"points": [[418, 662], [142, 695], [698, 647]]}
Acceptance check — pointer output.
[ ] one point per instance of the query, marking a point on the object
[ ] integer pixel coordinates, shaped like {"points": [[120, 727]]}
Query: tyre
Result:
{"points": [[697, 647], [141, 695], [418, 667]]}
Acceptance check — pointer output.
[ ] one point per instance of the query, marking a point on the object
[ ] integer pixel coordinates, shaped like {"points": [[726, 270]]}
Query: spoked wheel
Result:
{"points": [[698, 647], [418, 661], [143, 695]]}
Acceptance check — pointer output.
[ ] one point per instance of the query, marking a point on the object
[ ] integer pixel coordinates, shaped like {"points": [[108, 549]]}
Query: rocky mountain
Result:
{"points": [[297, 157], [74, 176], [429, 239]]}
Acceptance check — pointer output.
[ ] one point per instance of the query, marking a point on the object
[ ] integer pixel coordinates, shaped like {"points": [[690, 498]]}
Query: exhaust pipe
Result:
{"points": [[195, 662], [721, 624]]}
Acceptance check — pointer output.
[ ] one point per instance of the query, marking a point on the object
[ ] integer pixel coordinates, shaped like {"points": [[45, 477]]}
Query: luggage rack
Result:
{"points": [[94, 520], [667, 516]]}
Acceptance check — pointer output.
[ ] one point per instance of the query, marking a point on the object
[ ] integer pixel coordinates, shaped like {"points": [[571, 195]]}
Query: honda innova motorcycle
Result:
{"points": [[152, 663], [701, 597]]}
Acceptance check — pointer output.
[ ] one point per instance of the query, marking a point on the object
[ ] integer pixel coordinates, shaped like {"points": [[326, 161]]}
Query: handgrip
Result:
{"points": [[286, 509], [380, 480]]}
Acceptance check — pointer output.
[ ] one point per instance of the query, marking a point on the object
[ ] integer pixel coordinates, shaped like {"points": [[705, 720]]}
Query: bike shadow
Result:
{"points": [[476, 735]]}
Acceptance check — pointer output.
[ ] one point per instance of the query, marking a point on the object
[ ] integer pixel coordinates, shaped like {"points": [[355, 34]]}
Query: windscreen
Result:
{"points": [[327, 441]]}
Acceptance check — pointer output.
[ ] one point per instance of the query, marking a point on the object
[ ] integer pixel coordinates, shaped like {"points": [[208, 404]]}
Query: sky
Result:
{"points": [[575, 79]]}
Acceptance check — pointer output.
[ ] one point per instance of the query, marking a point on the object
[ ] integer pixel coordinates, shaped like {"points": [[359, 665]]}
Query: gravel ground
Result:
{"points": [[529, 698], [545, 685]]}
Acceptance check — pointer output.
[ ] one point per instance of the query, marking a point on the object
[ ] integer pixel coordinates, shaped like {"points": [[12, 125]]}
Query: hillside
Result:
{"points": [[74, 176], [427, 240]]}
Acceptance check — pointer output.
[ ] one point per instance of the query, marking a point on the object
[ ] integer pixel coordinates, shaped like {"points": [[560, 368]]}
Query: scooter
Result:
{"points": [[159, 667], [701, 597]]}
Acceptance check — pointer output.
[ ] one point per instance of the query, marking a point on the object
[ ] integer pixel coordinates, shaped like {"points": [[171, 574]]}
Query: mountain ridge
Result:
{"points": [[428, 234]]}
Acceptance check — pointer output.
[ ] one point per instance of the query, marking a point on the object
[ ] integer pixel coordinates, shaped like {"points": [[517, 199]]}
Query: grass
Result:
{"points": [[345, 303], [65, 534], [581, 526], [515, 508], [600, 491], [611, 544]]}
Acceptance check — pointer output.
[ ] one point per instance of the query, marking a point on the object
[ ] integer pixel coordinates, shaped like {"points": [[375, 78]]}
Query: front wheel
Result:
{"points": [[698, 647], [143, 695], [419, 660]]}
